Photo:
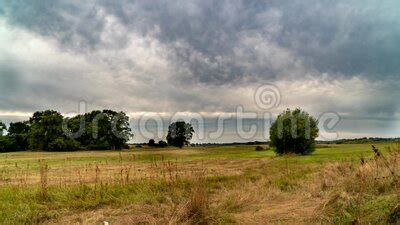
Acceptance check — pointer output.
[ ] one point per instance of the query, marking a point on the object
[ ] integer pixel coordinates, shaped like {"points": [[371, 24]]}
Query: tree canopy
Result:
{"points": [[105, 129], [45, 131], [179, 133], [50, 131], [151, 143], [2, 128], [294, 132]]}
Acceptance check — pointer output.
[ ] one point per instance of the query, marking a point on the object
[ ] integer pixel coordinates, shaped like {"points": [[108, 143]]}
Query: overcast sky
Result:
{"points": [[204, 56]]}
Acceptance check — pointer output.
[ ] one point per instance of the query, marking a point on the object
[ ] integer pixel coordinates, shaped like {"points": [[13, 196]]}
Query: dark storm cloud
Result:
{"points": [[347, 37], [131, 55], [208, 37], [73, 23]]}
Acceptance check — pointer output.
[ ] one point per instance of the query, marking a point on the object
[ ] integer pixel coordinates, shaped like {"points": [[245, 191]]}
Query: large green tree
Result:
{"points": [[45, 127], [179, 134], [119, 131], [105, 129], [18, 135], [2, 128], [294, 132], [46, 132]]}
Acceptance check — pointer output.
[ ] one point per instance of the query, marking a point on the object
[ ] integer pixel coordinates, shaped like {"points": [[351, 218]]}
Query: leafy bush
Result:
{"points": [[259, 148], [294, 132], [99, 146], [151, 143], [63, 144], [162, 144], [5, 144], [2, 128]]}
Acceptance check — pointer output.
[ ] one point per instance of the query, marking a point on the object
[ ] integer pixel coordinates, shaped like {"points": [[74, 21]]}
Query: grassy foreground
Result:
{"points": [[206, 185]]}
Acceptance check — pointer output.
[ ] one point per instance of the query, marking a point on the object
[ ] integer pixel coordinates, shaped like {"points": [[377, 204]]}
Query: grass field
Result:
{"points": [[201, 185]]}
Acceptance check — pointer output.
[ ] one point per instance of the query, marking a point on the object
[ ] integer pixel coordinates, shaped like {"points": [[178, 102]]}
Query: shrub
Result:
{"points": [[151, 143], [162, 144], [294, 132], [100, 146], [5, 144], [63, 144], [259, 148]]}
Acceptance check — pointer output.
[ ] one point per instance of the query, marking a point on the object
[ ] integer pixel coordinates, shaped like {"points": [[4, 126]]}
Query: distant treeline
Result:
{"points": [[208, 144], [339, 141], [231, 143], [360, 140], [50, 131]]}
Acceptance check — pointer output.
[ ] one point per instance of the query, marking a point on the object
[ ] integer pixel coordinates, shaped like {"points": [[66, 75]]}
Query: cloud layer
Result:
{"points": [[202, 56]]}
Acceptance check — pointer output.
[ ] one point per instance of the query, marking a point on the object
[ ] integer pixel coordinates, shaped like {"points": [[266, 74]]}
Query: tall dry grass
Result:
{"points": [[196, 210], [43, 168], [355, 189], [281, 192]]}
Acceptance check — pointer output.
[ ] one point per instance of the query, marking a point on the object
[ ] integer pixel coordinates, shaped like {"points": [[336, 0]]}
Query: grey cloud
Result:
{"points": [[341, 37], [9, 80], [136, 53], [346, 37]]}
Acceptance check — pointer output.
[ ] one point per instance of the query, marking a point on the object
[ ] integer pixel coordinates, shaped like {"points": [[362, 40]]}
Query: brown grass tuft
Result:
{"points": [[43, 168]]}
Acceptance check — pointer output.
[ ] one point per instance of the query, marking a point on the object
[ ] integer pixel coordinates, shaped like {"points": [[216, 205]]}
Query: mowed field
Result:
{"points": [[202, 185]]}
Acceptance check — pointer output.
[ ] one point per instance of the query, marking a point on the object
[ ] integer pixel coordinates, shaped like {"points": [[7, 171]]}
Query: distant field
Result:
{"points": [[158, 185]]}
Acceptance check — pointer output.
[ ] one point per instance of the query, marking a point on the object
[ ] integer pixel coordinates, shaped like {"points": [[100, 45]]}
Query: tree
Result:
{"points": [[105, 129], [294, 132], [45, 128], [5, 144], [18, 128], [118, 132], [18, 135], [151, 143], [179, 134], [2, 128]]}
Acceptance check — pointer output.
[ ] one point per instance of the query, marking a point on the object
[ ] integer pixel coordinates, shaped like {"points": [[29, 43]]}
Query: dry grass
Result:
{"points": [[43, 169], [126, 171], [273, 190], [358, 190]]}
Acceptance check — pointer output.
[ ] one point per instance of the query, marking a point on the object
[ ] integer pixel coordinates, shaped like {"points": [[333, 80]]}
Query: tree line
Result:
{"points": [[294, 131], [50, 131], [97, 130]]}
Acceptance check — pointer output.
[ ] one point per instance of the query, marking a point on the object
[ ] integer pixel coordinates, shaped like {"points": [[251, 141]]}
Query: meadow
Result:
{"points": [[345, 183]]}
